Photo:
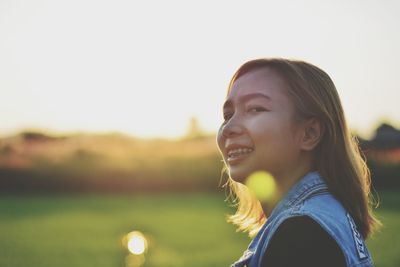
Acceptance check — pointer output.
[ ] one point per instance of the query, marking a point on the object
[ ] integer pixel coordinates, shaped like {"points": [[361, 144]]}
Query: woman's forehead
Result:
{"points": [[262, 81]]}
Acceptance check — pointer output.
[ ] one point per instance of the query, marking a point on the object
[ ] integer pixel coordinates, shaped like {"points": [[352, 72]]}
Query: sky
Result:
{"points": [[145, 68]]}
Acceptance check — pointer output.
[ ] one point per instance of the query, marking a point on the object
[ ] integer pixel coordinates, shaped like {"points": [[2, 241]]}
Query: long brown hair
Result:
{"points": [[338, 157]]}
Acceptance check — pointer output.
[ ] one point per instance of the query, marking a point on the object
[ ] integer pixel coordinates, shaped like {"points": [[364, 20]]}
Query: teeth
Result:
{"points": [[239, 151]]}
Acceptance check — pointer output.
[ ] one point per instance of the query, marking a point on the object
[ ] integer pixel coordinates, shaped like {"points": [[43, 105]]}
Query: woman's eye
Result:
{"points": [[257, 109], [227, 116]]}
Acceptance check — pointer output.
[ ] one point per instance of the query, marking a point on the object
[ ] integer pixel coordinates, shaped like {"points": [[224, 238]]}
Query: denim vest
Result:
{"points": [[310, 197]]}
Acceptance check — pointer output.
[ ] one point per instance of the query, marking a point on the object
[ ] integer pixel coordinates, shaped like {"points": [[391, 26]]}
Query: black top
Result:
{"points": [[300, 241]]}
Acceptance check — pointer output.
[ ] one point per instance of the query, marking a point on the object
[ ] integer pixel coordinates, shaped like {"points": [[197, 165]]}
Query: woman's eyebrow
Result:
{"points": [[245, 98]]}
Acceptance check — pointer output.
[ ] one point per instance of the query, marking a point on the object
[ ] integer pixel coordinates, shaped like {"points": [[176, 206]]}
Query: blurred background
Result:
{"points": [[109, 111]]}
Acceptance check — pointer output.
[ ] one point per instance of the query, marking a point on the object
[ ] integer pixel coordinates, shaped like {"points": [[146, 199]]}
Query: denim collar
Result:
{"points": [[311, 182]]}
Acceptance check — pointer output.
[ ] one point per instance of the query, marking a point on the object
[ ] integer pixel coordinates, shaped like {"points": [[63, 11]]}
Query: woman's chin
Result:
{"points": [[238, 176]]}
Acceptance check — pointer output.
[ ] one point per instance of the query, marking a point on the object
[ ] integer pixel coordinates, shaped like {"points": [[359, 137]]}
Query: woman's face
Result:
{"points": [[258, 132]]}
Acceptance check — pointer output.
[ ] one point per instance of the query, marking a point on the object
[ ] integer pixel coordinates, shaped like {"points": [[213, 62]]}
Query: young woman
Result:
{"points": [[308, 202]]}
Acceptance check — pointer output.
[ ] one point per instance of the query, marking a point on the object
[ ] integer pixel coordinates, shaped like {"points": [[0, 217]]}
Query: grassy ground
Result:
{"points": [[385, 244], [183, 230]]}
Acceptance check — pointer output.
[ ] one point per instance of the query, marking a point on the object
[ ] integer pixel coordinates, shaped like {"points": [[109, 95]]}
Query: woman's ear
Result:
{"points": [[313, 132]]}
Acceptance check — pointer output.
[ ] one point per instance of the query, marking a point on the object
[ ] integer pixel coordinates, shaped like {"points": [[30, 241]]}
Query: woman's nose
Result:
{"points": [[232, 128]]}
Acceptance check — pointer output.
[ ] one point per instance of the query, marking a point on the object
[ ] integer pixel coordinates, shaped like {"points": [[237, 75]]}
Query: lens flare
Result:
{"points": [[262, 184], [136, 243]]}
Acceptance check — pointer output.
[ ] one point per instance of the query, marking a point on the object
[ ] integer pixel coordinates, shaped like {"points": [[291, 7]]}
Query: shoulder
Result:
{"points": [[302, 241]]}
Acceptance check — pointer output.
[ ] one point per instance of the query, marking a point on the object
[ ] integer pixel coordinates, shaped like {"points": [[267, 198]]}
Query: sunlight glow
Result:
{"points": [[105, 66], [262, 184], [136, 243]]}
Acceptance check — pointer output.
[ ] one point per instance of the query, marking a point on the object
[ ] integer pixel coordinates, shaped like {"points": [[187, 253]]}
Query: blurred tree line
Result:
{"points": [[383, 156], [37, 162]]}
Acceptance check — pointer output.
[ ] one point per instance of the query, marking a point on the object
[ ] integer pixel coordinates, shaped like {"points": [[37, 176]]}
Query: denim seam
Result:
{"points": [[303, 195]]}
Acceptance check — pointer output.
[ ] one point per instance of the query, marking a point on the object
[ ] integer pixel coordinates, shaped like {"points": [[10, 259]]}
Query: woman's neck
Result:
{"points": [[284, 182]]}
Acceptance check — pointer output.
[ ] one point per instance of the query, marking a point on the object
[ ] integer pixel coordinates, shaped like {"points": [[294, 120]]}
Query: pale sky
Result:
{"points": [[145, 67]]}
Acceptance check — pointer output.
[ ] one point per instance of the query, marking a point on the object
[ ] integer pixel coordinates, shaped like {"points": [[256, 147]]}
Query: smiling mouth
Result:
{"points": [[237, 155]]}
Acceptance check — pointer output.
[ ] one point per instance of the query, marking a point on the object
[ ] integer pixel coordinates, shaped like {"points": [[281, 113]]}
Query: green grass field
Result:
{"points": [[182, 229]]}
